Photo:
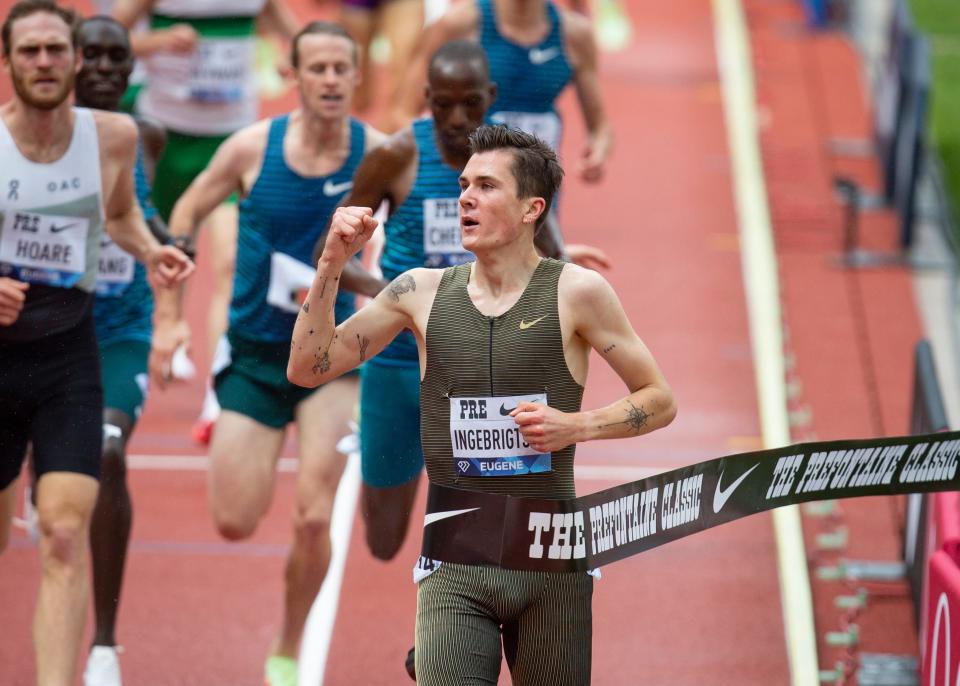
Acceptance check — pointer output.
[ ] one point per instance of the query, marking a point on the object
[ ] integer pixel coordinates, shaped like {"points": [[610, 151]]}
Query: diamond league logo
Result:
{"points": [[463, 465]]}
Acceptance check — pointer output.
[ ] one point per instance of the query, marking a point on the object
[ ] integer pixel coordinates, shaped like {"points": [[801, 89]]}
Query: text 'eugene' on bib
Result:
{"points": [[486, 440]]}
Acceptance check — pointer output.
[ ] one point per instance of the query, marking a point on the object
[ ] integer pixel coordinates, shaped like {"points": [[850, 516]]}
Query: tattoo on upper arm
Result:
{"points": [[363, 343], [609, 348], [402, 284], [636, 417]]}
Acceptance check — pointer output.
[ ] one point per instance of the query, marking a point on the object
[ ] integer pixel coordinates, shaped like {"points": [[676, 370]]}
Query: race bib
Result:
{"points": [[543, 125], [290, 279], [487, 441], [217, 72], [441, 233], [116, 268], [221, 70], [44, 248], [423, 568]]}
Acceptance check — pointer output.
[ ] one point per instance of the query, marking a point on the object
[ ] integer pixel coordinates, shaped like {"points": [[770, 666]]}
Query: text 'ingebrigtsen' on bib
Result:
{"points": [[486, 440]]}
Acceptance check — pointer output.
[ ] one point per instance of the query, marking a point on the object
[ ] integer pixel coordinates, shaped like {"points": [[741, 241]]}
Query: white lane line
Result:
{"points": [[315, 645], [762, 286]]}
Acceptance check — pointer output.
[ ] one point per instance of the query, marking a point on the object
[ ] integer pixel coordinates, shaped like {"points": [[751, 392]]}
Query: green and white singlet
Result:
{"points": [[211, 91]]}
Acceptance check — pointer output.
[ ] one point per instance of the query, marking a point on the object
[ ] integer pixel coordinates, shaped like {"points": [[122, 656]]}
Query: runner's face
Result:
{"points": [[42, 63], [458, 96], [326, 75], [491, 214], [106, 63]]}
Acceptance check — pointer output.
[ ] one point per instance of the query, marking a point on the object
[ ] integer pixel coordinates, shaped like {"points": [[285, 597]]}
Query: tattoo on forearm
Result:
{"points": [[363, 343], [609, 348], [321, 363], [636, 418], [402, 284]]}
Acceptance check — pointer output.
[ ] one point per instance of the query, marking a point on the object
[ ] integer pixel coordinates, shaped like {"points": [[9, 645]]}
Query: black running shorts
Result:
{"points": [[50, 395]]}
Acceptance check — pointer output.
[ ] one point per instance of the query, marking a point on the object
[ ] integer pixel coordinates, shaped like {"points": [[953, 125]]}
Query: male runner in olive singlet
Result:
{"points": [[511, 331]]}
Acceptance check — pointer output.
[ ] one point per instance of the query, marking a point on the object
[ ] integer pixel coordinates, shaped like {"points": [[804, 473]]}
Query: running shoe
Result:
{"points": [[103, 667], [280, 670]]}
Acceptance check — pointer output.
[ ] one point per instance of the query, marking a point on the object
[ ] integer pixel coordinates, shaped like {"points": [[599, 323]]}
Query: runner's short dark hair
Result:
{"points": [[535, 166], [460, 51], [321, 27], [25, 8]]}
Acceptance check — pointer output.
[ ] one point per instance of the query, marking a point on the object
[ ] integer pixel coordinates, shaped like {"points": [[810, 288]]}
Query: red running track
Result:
{"points": [[704, 610]]}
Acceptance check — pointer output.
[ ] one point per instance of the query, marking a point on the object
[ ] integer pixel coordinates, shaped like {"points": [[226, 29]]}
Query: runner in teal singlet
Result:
{"points": [[200, 86], [535, 50], [290, 172]]}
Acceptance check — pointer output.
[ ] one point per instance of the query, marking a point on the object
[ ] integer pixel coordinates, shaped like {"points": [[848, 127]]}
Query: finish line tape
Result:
{"points": [[584, 533]]}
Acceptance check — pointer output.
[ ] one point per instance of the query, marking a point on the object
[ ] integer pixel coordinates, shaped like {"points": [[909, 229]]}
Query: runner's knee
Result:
{"points": [[232, 525], [65, 538], [312, 526]]}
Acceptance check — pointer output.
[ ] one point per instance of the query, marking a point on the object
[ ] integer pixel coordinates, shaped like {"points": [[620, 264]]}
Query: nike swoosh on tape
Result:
{"points": [[432, 517], [526, 325], [720, 496], [331, 188]]}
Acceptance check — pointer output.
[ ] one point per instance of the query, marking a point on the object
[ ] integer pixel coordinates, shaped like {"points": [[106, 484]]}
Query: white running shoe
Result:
{"points": [[103, 667]]}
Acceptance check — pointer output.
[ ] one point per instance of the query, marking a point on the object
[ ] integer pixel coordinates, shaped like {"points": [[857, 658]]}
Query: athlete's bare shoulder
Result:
{"points": [[395, 152], [460, 21], [249, 142], [580, 287], [578, 37], [372, 137], [117, 133]]}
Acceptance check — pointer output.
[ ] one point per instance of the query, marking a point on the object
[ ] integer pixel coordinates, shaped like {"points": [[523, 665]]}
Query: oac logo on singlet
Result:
{"points": [[486, 440]]}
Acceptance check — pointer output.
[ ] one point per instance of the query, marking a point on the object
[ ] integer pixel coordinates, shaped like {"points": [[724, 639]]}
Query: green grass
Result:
{"points": [[940, 20]]}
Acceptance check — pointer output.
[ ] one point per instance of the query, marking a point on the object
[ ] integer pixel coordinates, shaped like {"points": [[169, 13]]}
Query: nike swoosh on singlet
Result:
{"points": [[720, 496], [330, 188], [57, 229], [526, 325], [432, 517], [538, 56]]}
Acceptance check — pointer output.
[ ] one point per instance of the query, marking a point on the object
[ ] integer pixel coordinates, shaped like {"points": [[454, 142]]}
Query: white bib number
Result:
{"points": [[290, 280], [115, 272], [44, 248], [441, 233], [543, 125], [486, 440]]}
